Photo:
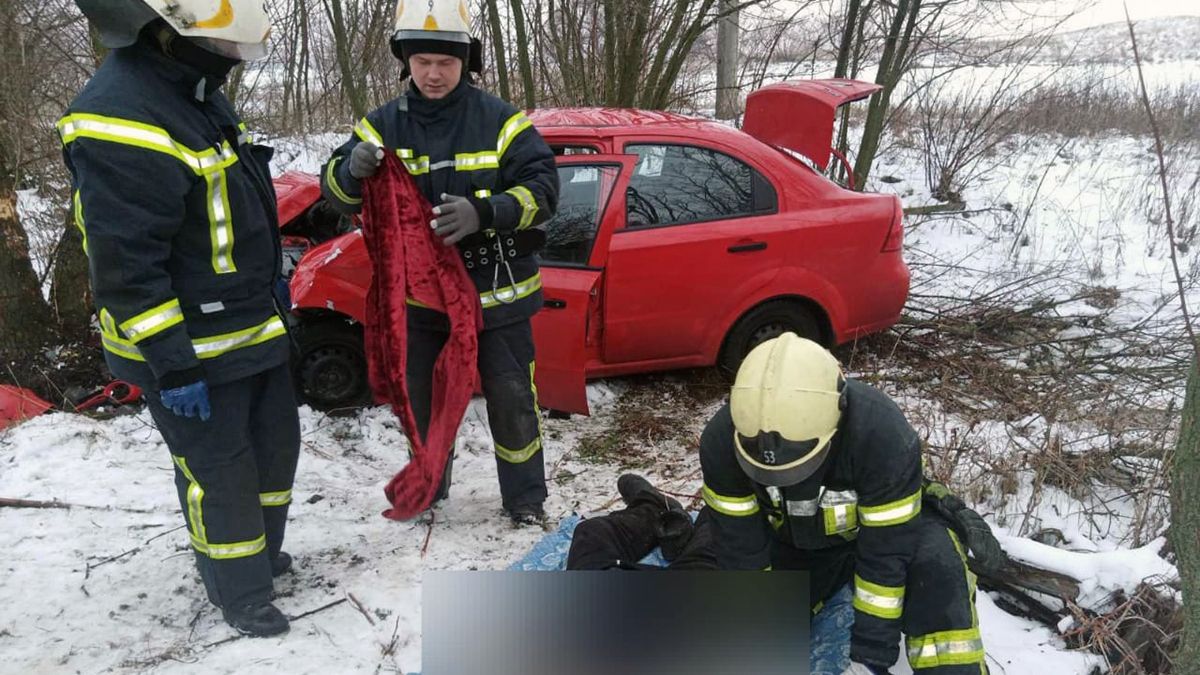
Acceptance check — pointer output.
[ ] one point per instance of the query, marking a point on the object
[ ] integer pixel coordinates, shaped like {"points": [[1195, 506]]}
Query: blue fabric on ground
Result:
{"points": [[829, 636], [550, 554]]}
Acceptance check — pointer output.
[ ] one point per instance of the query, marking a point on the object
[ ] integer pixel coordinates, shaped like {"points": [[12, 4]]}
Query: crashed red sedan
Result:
{"points": [[678, 242]]}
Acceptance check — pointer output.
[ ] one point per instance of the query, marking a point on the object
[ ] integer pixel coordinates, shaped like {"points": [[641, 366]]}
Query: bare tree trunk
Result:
{"points": [[25, 320], [351, 71], [848, 33], [891, 68], [70, 290], [498, 51], [1185, 523], [727, 61], [522, 47]]}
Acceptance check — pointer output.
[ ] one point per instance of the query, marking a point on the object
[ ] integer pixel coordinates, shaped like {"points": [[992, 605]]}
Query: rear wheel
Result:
{"points": [[767, 321], [331, 366]]}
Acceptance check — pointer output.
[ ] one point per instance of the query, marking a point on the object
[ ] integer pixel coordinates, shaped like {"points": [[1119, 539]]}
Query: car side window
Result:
{"points": [[677, 184], [582, 198]]}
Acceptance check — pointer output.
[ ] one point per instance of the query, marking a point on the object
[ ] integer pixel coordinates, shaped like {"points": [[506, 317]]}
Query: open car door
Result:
{"points": [[799, 116], [591, 204]]}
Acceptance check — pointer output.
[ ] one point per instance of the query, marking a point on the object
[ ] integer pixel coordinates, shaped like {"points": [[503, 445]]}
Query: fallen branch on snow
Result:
{"points": [[8, 502]]}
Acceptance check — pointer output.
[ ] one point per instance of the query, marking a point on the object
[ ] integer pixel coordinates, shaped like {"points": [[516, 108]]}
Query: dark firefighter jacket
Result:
{"points": [[855, 516], [178, 217], [474, 145]]}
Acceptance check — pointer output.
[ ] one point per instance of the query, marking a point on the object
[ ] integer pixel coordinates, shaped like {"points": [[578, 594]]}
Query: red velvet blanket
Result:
{"points": [[408, 261]]}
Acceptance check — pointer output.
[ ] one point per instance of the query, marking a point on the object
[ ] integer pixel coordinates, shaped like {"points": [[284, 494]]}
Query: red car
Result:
{"points": [[678, 242]]}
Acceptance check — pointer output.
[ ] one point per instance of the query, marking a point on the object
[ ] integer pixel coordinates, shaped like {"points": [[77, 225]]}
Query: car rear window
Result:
{"points": [[678, 184]]}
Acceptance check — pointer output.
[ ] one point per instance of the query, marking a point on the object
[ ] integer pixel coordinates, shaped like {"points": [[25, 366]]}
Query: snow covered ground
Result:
{"points": [[109, 585]]}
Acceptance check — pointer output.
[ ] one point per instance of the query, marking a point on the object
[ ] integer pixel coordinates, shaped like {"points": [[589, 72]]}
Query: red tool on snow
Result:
{"points": [[116, 393], [18, 404], [409, 262]]}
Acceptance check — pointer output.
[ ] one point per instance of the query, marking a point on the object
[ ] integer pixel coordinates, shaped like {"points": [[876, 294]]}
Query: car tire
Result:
{"points": [[767, 321], [330, 365]]}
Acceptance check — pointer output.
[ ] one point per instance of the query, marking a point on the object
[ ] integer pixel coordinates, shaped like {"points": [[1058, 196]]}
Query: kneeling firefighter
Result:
{"points": [[804, 469], [179, 222], [493, 180]]}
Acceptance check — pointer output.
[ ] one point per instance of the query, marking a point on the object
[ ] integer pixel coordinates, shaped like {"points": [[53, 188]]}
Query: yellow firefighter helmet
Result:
{"points": [[786, 403]]}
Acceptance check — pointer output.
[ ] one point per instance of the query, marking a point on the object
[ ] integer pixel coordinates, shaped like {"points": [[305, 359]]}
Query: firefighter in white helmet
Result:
{"points": [[492, 180], [805, 469], [178, 216]]}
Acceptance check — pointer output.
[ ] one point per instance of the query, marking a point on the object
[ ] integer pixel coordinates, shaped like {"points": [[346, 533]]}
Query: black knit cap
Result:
{"points": [[404, 49]]}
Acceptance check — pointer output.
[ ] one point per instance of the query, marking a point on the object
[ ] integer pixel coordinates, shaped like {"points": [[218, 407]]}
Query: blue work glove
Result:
{"points": [[188, 401], [283, 294]]}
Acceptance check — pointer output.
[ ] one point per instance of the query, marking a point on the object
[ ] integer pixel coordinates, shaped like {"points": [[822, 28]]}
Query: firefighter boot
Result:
{"points": [[527, 514], [281, 563], [257, 619], [674, 527]]}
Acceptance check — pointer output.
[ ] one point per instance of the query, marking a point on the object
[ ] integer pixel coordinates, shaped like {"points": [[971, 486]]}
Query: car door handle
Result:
{"points": [[555, 304], [748, 247]]}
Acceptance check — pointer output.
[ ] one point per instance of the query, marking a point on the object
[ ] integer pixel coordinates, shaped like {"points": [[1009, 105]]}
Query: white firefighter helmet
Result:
{"points": [[786, 403], [440, 20], [237, 29]]}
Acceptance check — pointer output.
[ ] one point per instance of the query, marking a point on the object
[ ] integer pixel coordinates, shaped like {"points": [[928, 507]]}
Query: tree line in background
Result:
{"points": [[330, 63]]}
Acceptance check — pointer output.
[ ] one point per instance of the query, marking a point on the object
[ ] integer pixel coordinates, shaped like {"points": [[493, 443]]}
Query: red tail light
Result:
{"points": [[895, 235]]}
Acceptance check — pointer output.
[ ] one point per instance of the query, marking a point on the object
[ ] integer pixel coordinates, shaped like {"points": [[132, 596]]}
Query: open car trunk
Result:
{"points": [[799, 116]]}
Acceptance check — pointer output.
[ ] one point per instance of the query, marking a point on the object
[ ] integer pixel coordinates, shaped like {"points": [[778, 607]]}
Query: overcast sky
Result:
{"points": [[1108, 11]]}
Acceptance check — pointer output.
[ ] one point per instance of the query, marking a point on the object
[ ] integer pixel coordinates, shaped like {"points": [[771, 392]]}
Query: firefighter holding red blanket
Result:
{"points": [[492, 180]]}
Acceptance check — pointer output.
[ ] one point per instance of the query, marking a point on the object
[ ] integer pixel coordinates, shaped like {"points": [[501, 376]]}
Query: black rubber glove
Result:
{"points": [[456, 218], [969, 525], [365, 159]]}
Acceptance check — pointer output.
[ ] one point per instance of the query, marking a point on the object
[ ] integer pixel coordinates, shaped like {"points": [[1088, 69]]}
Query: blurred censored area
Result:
{"points": [[594, 623]]}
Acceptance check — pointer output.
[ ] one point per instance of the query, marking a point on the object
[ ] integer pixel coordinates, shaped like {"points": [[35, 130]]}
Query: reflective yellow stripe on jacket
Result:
{"points": [[120, 344], [892, 513], [509, 132], [210, 163], [529, 205], [730, 506], [153, 321], [885, 602]]}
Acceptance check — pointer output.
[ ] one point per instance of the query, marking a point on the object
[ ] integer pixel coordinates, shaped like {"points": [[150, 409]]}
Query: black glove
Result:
{"points": [[456, 218], [364, 160], [970, 526], [673, 531]]}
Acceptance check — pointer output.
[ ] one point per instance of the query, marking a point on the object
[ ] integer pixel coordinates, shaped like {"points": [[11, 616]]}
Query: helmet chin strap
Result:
{"points": [[187, 52]]}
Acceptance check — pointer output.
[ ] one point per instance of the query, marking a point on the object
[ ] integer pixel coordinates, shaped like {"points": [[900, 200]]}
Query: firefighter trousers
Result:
{"points": [[234, 477], [940, 622], [506, 369], [939, 619], [622, 538]]}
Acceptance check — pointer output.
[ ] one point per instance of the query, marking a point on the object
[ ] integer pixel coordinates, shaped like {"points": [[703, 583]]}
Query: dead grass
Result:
{"points": [[656, 412]]}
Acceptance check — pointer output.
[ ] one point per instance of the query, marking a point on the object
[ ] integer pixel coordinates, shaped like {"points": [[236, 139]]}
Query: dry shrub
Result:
{"points": [[1138, 635]]}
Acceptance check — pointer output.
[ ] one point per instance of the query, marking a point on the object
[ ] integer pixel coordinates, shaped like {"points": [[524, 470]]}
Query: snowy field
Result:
{"points": [[109, 585]]}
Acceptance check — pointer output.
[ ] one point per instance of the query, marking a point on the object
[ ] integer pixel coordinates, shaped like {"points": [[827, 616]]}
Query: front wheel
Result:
{"points": [[331, 364], [765, 322]]}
